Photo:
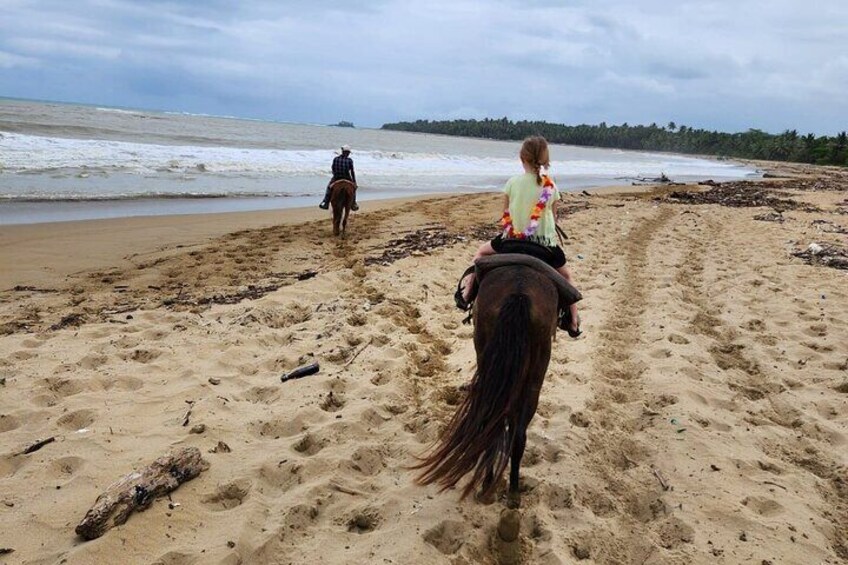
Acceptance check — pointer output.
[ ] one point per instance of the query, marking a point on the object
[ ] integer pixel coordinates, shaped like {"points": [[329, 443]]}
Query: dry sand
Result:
{"points": [[712, 360]]}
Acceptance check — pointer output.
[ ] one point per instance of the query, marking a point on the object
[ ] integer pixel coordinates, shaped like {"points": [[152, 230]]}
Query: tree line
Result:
{"points": [[752, 144]]}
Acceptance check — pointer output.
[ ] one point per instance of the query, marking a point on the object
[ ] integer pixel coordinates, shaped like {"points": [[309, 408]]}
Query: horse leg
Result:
{"points": [[346, 214], [337, 216], [513, 496]]}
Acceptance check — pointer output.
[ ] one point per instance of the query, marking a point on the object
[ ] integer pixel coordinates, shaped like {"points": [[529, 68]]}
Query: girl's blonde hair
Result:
{"points": [[534, 152]]}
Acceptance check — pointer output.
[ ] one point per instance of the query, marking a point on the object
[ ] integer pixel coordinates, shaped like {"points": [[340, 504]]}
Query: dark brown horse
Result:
{"points": [[341, 197], [515, 317]]}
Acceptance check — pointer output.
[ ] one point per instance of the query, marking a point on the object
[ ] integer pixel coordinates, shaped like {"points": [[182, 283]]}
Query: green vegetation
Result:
{"points": [[344, 124], [752, 144]]}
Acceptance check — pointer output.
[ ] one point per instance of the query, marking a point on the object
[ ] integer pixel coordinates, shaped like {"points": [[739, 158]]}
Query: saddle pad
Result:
{"points": [[568, 295]]}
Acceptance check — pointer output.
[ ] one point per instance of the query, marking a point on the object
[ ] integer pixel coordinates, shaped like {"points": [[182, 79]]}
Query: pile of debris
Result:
{"points": [[742, 194], [828, 255], [425, 240], [771, 217]]}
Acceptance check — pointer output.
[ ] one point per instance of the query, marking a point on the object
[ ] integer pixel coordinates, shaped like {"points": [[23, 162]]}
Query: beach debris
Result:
{"points": [[137, 490], [306, 275], [214, 381], [33, 447], [6, 550], [829, 227], [361, 349], [221, 448], [300, 372], [827, 254], [71, 320], [770, 217], [564, 210], [743, 194], [422, 241], [2, 381], [663, 483], [187, 415], [198, 429]]}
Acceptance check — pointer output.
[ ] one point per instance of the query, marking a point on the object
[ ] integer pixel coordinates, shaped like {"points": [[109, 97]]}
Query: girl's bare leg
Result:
{"points": [[468, 282]]}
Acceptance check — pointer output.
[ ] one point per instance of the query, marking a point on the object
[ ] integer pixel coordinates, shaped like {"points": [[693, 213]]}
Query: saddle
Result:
{"points": [[568, 295]]}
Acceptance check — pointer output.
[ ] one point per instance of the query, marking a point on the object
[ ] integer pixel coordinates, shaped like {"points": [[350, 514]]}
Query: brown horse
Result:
{"points": [[341, 197], [515, 317]]}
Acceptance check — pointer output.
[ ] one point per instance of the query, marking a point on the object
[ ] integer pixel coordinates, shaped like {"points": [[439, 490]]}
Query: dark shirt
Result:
{"points": [[343, 168]]}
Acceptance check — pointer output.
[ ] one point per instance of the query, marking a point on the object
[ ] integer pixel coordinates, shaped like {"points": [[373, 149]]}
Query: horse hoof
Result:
{"points": [[509, 525], [513, 500]]}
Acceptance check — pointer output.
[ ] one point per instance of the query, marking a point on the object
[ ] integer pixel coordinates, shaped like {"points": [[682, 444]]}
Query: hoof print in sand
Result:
{"points": [[228, 496], [448, 536], [309, 445], [364, 521]]}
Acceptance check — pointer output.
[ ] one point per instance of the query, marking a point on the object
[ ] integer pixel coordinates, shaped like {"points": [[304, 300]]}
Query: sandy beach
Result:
{"points": [[702, 418]]}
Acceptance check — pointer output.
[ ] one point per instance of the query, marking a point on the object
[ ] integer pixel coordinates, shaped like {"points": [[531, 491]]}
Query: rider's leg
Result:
{"points": [[575, 318], [326, 202], [468, 282]]}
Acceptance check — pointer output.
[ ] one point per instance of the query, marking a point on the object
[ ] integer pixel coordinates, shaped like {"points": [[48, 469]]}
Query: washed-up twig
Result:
{"points": [[346, 490], [36, 446], [306, 275], [775, 484], [187, 416], [6, 550], [663, 483], [355, 355], [301, 372]]}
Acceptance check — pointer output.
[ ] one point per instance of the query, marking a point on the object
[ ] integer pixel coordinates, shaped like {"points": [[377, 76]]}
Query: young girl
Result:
{"points": [[529, 214]]}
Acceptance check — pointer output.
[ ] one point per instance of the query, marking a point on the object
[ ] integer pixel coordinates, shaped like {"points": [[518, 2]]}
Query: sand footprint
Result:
{"points": [[447, 536], [310, 444], [228, 496], [77, 420], [364, 520]]}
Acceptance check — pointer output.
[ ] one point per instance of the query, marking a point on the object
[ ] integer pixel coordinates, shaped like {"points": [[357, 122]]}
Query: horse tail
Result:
{"points": [[481, 433]]}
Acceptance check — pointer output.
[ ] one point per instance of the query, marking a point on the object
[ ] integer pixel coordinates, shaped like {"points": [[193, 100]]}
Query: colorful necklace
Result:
{"points": [[548, 188]]}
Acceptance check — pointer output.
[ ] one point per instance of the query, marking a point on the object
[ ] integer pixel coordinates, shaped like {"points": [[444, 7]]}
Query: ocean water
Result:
{"points": [[66, 162]]}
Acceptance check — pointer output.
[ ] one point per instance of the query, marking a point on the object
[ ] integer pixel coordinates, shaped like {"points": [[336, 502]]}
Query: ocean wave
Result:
{"points": [[108, 197], [37, 154]]}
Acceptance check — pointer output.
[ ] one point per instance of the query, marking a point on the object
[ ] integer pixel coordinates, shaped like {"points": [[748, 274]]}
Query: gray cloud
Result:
{"points": [[718, 64]]}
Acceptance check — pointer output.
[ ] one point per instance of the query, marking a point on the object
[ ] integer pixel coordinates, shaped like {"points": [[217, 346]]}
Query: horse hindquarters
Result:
{"points": [[478, 438]]}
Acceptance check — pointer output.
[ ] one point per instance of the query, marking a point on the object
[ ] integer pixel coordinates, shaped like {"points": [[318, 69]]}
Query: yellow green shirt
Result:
{"points": [[524, 192]]}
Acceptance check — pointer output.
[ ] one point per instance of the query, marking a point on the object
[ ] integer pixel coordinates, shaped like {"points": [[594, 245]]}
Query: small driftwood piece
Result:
{"points": [[663, 483], [137, 490], [36, 446]]}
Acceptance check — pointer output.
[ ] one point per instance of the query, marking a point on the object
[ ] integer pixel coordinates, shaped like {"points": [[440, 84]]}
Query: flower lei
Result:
{"points": [[548, 188]]}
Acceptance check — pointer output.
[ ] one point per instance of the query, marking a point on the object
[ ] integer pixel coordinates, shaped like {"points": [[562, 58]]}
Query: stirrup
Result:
{"points": [[458, 297]]}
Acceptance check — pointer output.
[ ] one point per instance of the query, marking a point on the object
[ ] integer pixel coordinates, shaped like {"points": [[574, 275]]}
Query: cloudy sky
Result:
{"points": [[720, 64]]}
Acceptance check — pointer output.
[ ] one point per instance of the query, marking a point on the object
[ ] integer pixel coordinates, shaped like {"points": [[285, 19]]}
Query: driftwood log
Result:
{"points": [[137, 490]]}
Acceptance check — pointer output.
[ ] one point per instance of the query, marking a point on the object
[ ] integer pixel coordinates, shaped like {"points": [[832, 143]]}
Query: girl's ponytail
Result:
{"points": [[534, 152]]}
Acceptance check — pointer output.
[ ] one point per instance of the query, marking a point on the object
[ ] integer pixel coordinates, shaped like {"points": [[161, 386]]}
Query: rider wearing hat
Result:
{"points": [[342, 169]]}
